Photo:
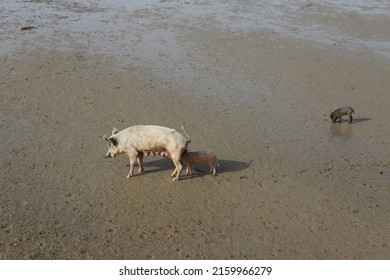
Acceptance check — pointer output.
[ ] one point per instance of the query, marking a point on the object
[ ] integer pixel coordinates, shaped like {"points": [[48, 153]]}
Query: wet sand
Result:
{"points": [[290, 185]]}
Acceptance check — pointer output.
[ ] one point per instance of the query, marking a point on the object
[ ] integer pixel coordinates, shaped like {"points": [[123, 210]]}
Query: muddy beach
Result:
{"points": [[253, 82]]}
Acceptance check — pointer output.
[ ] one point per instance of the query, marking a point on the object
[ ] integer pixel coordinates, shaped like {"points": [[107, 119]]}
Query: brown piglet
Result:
{"points": [[199, 157]]}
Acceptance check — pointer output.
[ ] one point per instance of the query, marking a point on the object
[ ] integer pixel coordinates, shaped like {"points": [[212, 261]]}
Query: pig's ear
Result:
{"points": [[114, 131], [111, 140], [106, 138]]}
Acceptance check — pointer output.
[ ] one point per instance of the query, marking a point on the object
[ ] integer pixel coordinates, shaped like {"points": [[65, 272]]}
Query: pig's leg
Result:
{"points": [[179, 167], [350, 117], [174, 172], [140, 160], [133, 158]]}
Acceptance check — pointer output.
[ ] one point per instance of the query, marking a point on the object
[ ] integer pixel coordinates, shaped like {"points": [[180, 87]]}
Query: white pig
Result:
{"points": [[138, 140]]}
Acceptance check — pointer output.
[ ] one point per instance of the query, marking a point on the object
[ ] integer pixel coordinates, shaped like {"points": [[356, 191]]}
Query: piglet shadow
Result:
{"points": [[357, 120], [226, 166]]}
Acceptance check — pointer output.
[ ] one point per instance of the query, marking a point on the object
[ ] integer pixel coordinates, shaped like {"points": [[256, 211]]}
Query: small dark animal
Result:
{"points": [[338, 113]]}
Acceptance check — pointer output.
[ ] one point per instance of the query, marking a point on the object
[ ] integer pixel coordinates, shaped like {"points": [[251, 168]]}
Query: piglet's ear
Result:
{"points": [[114, 131]]}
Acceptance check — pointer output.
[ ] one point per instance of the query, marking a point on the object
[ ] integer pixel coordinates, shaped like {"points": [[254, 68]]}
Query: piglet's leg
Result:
{"points": [[189, 169], [214, 170]]}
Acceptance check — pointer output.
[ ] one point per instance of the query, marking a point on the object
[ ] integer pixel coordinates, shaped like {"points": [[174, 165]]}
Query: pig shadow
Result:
{"points": [[157, 164], [200, 170]]}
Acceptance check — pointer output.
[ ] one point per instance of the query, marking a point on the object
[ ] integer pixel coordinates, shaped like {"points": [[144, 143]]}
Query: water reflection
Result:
{"points": [[342, 131]]}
